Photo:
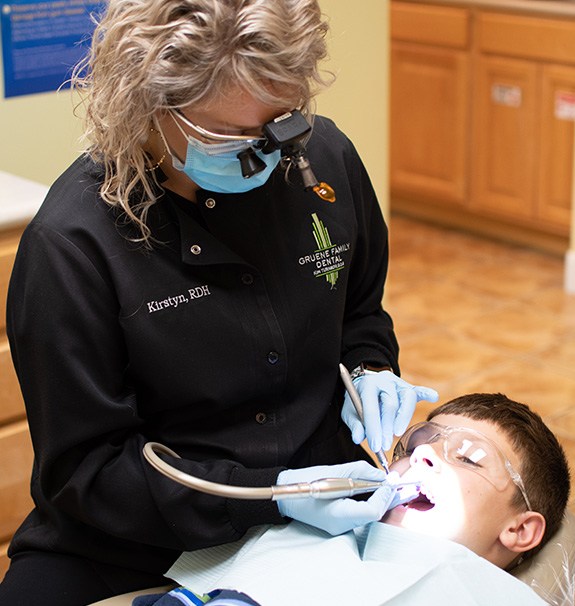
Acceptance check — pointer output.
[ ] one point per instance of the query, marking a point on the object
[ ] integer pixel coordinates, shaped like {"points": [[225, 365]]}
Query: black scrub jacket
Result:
{"points": [[223, 343]]}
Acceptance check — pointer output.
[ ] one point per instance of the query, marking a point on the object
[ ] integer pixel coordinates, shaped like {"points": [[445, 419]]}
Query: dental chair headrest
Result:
{"points": [[551, 572]]}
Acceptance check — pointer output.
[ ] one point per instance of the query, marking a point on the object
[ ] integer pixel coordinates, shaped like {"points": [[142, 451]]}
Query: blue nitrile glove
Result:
{"points": [[337, 516], [388, 405]]}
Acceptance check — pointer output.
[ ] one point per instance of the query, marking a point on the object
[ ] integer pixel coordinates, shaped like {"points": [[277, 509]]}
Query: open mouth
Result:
{"points": [[422, 502]]}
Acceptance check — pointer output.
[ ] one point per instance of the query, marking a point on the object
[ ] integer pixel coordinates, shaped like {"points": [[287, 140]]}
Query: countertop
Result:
{"points": [[550, 8], [19, 199]]}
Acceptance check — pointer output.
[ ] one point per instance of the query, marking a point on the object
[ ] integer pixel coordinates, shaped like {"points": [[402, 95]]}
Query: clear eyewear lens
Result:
{"points": [[218, 137], [472, 451], [464, 448]]}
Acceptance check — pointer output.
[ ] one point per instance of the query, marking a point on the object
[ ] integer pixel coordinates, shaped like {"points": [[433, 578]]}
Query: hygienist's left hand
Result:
{"points": [[388, 405]]}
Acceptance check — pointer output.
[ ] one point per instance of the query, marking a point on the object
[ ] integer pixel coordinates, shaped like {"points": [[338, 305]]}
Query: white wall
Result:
{"points": [[358, 100], [39, 135]]}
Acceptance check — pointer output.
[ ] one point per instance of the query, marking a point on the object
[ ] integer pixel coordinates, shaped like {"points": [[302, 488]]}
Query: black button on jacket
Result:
{"points": [[222, 342]]}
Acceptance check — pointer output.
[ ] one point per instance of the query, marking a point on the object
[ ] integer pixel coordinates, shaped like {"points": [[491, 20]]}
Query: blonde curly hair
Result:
{"points": [[153, 55]]}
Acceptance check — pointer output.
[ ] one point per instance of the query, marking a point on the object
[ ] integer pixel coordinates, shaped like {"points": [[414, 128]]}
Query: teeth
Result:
{"points": [[427, 494]]}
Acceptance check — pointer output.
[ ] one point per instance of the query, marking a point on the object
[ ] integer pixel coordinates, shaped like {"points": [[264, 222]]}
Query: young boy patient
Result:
{"points": [[494, 485]]}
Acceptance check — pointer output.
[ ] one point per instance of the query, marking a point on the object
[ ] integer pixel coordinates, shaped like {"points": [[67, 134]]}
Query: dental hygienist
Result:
{"points": [[182, 283]]}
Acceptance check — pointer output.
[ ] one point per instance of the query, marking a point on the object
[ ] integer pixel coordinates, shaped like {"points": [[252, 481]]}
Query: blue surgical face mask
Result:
{"points": [[219, 169], [215, 166]]}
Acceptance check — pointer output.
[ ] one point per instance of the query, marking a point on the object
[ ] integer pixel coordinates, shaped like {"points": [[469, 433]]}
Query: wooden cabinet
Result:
{"points": [[429, 102], [524, 115], [482, 116], [15, 447]]}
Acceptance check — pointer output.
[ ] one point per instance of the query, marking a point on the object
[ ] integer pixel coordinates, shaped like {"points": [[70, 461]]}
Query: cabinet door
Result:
{"points": [[11, 402], [556, 161], [504, 176], [429, 122], [8, 247], [16, 464]]}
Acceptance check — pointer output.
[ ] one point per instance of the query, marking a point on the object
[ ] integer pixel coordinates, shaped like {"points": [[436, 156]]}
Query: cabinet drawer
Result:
{"points": [[527, 37], [7, 253], [11, 402], [16, 464], [438, 25]]}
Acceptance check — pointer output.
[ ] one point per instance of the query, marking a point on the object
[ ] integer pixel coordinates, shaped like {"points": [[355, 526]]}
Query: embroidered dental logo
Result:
{"points": [[327, 258]]}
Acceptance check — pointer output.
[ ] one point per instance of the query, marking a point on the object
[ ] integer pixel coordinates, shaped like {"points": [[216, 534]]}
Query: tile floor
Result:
{"points": [[473, 314]]}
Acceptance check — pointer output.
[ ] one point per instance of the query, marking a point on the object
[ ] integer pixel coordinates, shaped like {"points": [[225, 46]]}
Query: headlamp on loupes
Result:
{"points": [[288, 133]]}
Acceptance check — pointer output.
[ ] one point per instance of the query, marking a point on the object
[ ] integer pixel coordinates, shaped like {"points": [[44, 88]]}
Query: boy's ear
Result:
{"points": [[523, 532]]}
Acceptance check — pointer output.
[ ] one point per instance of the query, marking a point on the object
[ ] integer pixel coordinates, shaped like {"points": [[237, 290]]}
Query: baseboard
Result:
{"points": [[494, 228]]}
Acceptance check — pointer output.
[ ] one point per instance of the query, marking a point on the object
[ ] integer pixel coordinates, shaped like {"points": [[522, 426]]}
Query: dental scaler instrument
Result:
{"points": [[356, 400], [326, 488]]}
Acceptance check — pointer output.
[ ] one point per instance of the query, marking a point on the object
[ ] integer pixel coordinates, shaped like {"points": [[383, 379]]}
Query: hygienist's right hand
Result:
{"points": [[388, 405], [337, 516]]}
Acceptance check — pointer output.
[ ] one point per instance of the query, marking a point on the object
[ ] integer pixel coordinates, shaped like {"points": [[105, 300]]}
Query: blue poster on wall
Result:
{"points": [[42, 41]]}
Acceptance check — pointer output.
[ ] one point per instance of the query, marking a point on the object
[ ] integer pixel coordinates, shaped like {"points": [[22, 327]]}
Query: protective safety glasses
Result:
{"points": [[210, 136], [465, 448]]}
